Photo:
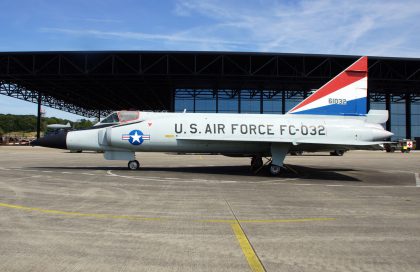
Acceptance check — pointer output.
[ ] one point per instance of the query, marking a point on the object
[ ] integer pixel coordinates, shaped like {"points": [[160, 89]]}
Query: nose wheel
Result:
{"points": [[133, 165]]}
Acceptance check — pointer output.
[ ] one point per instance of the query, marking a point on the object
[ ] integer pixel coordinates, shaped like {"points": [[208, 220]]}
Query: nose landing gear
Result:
{"points": [[133, 165]]}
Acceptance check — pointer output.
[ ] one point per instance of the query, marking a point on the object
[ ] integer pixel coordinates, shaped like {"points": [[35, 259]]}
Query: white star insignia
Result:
{"points": [[136, 137]]}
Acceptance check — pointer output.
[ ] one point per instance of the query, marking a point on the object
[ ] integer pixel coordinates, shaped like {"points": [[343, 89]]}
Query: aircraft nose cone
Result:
{"points": [[52, 141]]}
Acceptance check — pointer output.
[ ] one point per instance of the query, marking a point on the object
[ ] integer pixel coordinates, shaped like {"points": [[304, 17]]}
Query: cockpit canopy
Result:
{"points": [[120, 117]]}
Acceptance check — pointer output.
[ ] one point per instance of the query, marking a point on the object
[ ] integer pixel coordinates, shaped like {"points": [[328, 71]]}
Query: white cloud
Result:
{"points": [[176, 37], [327, 27], [337, 27]]}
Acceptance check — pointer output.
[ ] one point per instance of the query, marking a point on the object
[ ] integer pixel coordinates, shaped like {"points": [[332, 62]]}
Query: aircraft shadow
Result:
{"points": [[303, 172]]}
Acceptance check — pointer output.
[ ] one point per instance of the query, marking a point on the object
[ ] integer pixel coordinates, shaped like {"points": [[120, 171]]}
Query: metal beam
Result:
{"points": [[407, 115], [83, 82], [283, 102], [217, 101], [38, 119], [19, 92], [194, 98], [388, 108], [239, 101]]}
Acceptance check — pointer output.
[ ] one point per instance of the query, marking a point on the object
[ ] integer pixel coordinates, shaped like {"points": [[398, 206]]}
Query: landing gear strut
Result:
{"points": [[256, 163], [278, 153], [133, 165]]}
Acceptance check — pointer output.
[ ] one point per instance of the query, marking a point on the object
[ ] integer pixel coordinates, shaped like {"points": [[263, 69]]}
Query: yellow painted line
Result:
{"points": [[286, 220], [268, 220], [249, 253], [252, 259], [94, 215], [217, 221], [134, 217], [169, 136]]}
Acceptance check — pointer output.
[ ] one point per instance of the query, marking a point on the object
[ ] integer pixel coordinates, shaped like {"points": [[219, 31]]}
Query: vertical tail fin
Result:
{"points": [[345, 94]]}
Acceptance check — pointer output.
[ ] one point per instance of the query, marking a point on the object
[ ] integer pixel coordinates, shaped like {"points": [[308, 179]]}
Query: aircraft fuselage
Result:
{"points": [[225, 133]]}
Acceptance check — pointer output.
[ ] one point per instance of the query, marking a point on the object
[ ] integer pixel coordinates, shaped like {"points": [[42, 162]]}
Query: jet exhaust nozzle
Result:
{"points": [[379, 135]]}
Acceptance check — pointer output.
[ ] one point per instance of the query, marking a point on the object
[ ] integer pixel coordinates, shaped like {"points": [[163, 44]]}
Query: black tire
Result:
{"points": [[275, 170], [133, 165], [337, 153]]}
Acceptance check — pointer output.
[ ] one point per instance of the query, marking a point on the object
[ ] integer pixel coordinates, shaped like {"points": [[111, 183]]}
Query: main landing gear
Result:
{"points": [[278, 153], [275, 170], [133, 165], [256, 163]]}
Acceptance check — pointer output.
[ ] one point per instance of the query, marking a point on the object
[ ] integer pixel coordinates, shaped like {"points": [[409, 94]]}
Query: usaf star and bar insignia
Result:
{"points": [[135, 137]]}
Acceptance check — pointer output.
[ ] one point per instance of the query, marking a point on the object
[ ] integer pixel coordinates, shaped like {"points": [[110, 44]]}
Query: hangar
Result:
{"points": [[92, 84]]}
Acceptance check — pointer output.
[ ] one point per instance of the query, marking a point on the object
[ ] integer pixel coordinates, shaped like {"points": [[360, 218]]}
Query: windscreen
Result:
{"points": [[112, 118]]}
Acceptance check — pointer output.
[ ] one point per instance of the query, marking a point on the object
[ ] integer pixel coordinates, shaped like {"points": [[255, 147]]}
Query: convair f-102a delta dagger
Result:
{"points": [[332, 118]]}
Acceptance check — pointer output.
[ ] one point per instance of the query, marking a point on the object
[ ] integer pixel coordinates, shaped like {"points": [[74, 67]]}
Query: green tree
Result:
{"points": [[83, 123], [27, 123]]}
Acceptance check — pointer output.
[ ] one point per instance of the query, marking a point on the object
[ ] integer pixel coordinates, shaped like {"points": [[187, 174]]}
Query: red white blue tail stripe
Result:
{"points": [[346, 94]]}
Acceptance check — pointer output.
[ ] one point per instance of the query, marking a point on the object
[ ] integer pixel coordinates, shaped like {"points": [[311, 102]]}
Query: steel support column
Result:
{"points": [[283, 102], [407, 115], [194, 100], [217, 101], [172, 102], [38, 119], [388, 108], [261, 102], [239, 101]]}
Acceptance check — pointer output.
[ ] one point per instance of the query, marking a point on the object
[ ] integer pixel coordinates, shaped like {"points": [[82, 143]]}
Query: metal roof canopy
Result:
{"points": [[87, 83]]}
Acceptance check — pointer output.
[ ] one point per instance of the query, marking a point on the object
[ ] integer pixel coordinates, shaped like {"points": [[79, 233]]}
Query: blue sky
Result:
{"points": [[384, 28]]}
